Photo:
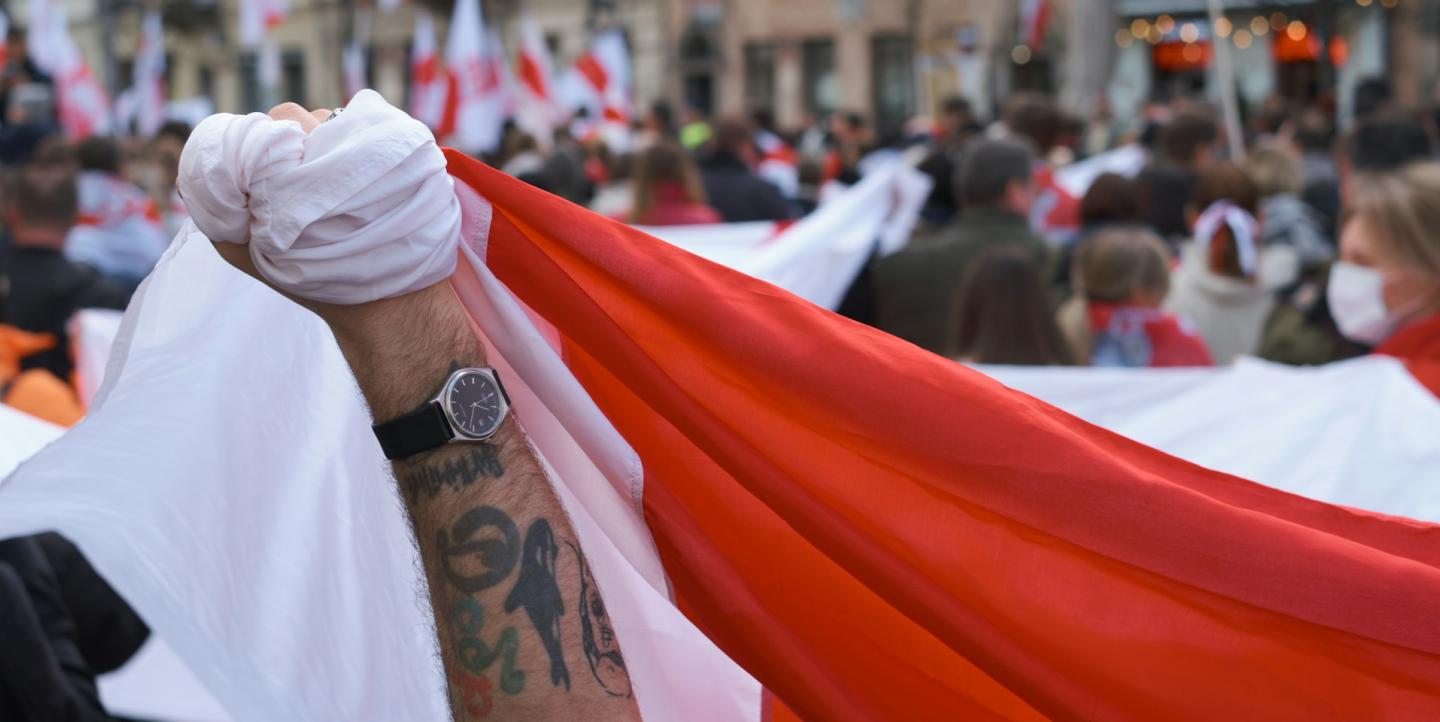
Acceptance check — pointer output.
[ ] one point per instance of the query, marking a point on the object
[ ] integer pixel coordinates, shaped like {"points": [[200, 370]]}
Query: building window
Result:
{"points": [[760, 77], [207, 82], [822, 86], [892, 73], [699, 64], [292, 81]]}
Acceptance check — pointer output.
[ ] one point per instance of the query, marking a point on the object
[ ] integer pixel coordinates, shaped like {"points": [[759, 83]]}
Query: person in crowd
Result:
{"points": [[1379, 144], [564, 169], [29, 120], [667, 189], [119, 230], [730, 184], [1185, 146], [62, 626], [1313, 136], [1220, 285], [695, 131], [1121, 279], [956, 126], [1385, 291], [524, 160], [778, 163], [915, 288], [1372, 97], [1055, 214], [45, 288], [1288, 222], [1003, 313], [850, 140], [1111, 199]]}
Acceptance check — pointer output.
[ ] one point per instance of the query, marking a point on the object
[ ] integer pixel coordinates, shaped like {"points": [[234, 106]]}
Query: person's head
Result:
{"points": [[1384, 143], [733, 136], [997, 175], [1188, 140], [660, 119], [1127, 265], [849, 127], [1110, 199], [42, 204], [1036, 118], [1003, 312], [1313, 131], [1390, 253], [30, 103], [1229, 238], [99, 153], [663, 165], [1274, 171], [955, 116], [1372, 95]]}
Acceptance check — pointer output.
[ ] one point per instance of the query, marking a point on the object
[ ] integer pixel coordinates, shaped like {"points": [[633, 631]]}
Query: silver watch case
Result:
{"points": [[457, 431]]}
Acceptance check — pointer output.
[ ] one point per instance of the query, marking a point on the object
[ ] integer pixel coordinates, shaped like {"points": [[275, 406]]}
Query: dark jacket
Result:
{"points": [[915, 288], [45, 291], [739, 194]]}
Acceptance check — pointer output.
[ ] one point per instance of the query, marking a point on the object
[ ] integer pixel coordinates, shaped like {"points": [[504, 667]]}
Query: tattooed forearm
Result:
{"points": [[538, 593], [597, 636], [425, 480]]}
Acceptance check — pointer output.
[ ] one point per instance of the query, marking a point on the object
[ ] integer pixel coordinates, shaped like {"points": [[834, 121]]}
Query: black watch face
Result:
{"points": [[473, 402]]}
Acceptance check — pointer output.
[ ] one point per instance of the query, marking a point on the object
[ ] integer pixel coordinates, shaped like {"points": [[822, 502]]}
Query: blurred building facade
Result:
{"points": [[889, 59]]}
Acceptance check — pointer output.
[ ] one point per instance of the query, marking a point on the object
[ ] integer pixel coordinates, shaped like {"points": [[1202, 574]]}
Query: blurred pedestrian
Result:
{"points": [[954, 129], [1003, 313], [46, 289], [850, 138], [1218, 285], [916, 287], [1313, 134], [731, 185], [1186, 145], [1111, 199], [1385, 291], [1286, 220], [118, 230], [667, 189], [1122, 276], [1380, 144], [1055, 213]]}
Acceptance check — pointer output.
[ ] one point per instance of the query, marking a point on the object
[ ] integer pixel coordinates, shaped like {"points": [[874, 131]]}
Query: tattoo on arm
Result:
{"points": [[537, 591], [480, 461], [597, 636]]}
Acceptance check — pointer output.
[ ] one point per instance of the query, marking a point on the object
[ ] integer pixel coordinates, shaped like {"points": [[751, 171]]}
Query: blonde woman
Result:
{"points": [[1385, 290]]}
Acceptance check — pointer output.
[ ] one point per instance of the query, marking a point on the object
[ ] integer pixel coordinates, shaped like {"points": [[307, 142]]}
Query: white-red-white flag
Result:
{"points": [[4, 34], [149, 75], [428, 86], [259, 17], [599, 83], [537, 111], [1034, 20], [475, 96], [80, 102], [352, 58]]}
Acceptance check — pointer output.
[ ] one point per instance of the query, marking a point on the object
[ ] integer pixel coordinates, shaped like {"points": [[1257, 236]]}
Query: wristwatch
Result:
{"points": [[470, 407]]}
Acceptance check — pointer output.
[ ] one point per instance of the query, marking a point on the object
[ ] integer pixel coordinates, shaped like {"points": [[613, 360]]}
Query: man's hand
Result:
{"points": [[522, 627]]}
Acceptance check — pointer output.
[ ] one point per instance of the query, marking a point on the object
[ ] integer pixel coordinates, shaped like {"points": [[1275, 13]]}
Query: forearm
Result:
{"points": [[523, 633]]}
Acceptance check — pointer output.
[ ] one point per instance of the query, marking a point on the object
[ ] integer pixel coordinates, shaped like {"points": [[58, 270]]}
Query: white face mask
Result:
{"points": [[1357, 302]]}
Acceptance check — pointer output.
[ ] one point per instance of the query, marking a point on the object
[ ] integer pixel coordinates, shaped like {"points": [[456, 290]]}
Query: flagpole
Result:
{"points": [[1225, 70]]}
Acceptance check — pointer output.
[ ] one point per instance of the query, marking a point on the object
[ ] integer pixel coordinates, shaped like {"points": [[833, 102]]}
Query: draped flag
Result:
{"points": [[870, 530], [80, 102], [257, 19], [1034, 21], [4, 38], [149, 80], [352, 59], [777, 163], [428, 84], [599, 83], [475, 92], [536, 108]]}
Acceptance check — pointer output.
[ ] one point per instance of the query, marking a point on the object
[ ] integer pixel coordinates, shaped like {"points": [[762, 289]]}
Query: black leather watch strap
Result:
{"points": [[420, 430]]}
